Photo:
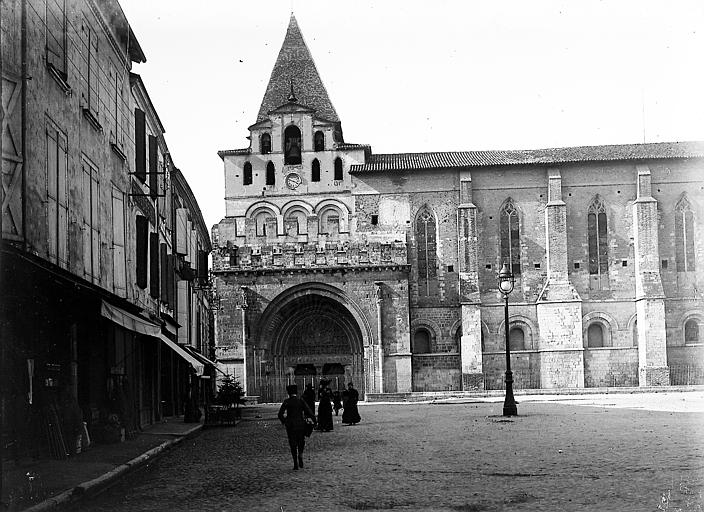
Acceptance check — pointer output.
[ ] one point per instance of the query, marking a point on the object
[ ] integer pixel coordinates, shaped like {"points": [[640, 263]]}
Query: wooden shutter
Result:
{"points": [[141, 242], [170, 280], [51, 190], [56, 35], [181, 231], [202, 264], [164, 266], [154, 265], [183, 309], [140, 159], [93, 72], [62, 198], [118, 243], [87, 244], [153, 167]]}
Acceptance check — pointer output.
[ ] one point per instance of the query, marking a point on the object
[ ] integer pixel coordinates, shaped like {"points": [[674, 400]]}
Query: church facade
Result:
{"points": [[381, 268]]}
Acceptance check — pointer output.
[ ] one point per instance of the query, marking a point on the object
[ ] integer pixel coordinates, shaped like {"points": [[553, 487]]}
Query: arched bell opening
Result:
{"points": [[292, 146]]}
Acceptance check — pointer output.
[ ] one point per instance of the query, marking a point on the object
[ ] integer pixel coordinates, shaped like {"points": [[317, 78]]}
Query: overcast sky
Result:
{"points": [[414, 76]]}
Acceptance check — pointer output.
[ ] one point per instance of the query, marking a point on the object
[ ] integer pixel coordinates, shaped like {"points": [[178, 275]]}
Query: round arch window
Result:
{"points": [[421, 342], [595, 336], [691, 331], [516, 339]]}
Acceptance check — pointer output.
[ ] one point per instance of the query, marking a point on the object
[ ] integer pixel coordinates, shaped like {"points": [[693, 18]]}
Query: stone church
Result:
{"points": [[381, 268]]}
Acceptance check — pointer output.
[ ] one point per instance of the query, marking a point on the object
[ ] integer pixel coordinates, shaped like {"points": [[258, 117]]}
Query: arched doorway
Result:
{"points": [[312, 331]]}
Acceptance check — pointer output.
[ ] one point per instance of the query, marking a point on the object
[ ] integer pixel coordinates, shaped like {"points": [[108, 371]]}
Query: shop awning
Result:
{"points": [[200, 356], [197, 365], [129, 321]]}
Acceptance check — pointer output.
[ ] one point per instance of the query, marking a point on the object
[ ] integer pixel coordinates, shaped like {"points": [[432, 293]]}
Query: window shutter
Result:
{"points": [[163, 265], [118, 243], [62, 196], [140, 159], [181, 231], [153, 167], [141, 250], [154, 265], [170, 280], [202, 264], [51, 189], [183, 309], [56, 34]]}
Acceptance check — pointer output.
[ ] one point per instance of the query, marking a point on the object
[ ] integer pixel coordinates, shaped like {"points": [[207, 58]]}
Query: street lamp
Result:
{"points": [[506, 282]]}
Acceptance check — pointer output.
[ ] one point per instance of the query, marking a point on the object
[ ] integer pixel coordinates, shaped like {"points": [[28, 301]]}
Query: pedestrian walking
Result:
{"points": [[325, 407], [308, 396], [292, 414], [350, 416], [336, 403]]}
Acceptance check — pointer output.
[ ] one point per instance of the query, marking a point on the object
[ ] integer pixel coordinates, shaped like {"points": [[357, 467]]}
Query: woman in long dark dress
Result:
{"points": [[350, 416], [292, 414], [325, 408]]}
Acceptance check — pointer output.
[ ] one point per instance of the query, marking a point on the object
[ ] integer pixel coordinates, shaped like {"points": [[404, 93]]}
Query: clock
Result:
{"points": [[293, 180]]}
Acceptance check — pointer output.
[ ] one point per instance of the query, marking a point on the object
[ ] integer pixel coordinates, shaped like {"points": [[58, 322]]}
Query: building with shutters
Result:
{"points": [[333, 261], [104, 297]]}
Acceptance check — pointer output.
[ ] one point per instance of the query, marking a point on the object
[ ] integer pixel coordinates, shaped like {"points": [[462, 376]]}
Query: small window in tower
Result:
{"points": [[247, 177], [270, 174], [315, 170], [375, 220], [319, 141], [265, 144], [338, 169]]}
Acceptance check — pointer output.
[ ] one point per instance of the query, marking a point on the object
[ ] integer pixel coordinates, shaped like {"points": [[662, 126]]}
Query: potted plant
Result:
{"points": [[230, 394]]}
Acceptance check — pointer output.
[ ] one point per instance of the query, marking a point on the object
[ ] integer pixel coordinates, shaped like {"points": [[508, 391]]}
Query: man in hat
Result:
{"points": [[292, 414], [350, 416]]}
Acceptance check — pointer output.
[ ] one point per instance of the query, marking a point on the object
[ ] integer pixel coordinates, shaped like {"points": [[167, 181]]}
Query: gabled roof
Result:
{"points": [[445, 160], [295, 65]]}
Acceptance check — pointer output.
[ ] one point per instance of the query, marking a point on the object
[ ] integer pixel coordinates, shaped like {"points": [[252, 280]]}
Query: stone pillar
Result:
{"points": [[471, 340], [242, 304], [378, 353], [650, 303], [559, 306]]}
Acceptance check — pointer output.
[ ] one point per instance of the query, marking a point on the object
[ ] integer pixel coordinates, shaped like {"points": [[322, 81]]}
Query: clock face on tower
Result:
{"points": [[293, 180]]}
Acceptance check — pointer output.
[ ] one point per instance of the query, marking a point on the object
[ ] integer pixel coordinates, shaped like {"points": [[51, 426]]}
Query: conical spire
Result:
{"points": [[295, 64]]}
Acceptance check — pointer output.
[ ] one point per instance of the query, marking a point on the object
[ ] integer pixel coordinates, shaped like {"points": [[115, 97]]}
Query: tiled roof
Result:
{"points": [[243, 151], [349, 145], [444, 160], [295, 63]]}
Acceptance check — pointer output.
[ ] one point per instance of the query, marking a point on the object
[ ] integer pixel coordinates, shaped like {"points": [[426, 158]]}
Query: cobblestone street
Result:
{"points": [[440, 457]]}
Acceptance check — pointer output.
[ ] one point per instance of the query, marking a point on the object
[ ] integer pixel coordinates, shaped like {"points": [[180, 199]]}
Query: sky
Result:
{"points": [[416, 76]]}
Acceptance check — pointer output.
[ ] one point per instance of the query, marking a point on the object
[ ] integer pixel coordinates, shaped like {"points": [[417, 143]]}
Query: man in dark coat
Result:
{"points": [[350, 416], [295, 411], [308, 396], [325, 407]]}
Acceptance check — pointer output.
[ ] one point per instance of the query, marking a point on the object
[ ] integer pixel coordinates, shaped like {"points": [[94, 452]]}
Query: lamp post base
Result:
{"points": [[510, 408]]}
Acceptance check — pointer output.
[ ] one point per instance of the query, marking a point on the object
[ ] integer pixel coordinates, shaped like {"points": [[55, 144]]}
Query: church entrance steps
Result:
{"points": [[494, 394]]}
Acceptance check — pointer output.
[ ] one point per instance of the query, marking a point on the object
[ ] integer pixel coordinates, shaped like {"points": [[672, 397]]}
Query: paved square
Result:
{"points": [[583, 453]]}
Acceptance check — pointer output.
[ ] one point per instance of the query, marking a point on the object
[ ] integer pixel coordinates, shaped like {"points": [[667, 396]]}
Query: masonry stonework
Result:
{"points": [[386, 272]]}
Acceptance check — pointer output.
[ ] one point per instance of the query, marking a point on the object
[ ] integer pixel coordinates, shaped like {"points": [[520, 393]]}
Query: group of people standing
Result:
{"points": [[298, 414]]}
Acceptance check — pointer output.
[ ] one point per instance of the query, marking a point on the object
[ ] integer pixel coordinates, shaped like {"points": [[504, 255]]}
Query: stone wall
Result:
{"points": [[436, 372], [609, 367]]}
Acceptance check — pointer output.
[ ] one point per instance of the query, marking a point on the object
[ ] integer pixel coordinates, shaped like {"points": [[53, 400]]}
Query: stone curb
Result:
{"points": [[95, 486]]}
